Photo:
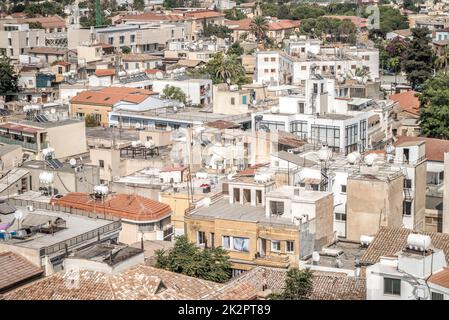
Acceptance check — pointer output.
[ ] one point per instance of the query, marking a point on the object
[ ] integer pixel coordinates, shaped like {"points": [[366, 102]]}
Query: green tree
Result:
{"points": [[259, 27], [434, 107], [209, 263], [442, 61], [139, 5], [218, 31], [417, 61], [234, 14], [35, 25], [8, 77], [174, 93], [298, 285], [126, 49], [391, 19], [169, 4], [235, 49], [91, 121]]}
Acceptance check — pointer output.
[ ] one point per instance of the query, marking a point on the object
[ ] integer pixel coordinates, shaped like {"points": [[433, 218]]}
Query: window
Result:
{"points": [[122, 39], [315, 88], [437, 296], [343, 188], [300, 107], [271, 125], [363, 135], [273, 59], [101, 163], [273, 70], [407, 183], [110, 40], [201, 237], [289, 246], [10, 41], [407, 208], [340, 216], [392, 286], [275, 246], [299, 128], [265, 59], [226, 242], [233, 101], [351, 138], [303, 67], [126, 65], [329, 135], [240, 244], [212, 240], [276, 207], [173, 33], [132, 38], [266, 70]]}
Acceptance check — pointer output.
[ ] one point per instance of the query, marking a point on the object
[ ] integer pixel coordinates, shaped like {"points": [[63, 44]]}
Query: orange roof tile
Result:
{"points": [[47, 22], [276, 25], [440, 278], [104, 72], [408, 101], [130, 207], [204, 14], [435, 148], [111, 95]]}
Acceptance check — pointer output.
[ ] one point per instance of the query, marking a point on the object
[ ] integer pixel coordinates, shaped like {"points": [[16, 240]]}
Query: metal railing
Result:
{"points": [[26, 145]]}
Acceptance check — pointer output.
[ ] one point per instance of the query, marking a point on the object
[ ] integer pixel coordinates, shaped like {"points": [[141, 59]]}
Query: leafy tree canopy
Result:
{"points": [[235, 49], [174, 93], [298, 285], [209, 264], [8, 77]]}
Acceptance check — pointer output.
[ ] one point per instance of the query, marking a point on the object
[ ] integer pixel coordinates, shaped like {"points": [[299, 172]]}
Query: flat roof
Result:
{"points": [[42, 165], [7, 148], [222, 209], [110, 133], [50, 124], [304, 195], [75, 226]]}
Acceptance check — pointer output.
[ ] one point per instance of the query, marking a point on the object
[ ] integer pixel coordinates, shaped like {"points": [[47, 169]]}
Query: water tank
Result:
{"points": [[366, 240], [136, 144], [353, 157], [315, 257], [48, 151], [369, 159], [149, 144], [46, 177], [100, 189], [274, 109], [262, 177], [418, 242], [234, 87]]}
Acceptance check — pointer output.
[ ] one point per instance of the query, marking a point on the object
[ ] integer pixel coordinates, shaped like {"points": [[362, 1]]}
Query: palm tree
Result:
{"points": [[259, 27], [443, 59]]}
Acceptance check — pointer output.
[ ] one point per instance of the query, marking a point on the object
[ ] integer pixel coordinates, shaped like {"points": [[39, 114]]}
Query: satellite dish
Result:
{"points": [[72, 162], [52, 110]]}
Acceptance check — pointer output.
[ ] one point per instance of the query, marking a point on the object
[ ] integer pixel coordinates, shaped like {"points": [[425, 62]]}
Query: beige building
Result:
{"points": [[374, 199], [67, 137], [261, 225], [16, 38], [141, 62], [445, 221], [11, 156]]}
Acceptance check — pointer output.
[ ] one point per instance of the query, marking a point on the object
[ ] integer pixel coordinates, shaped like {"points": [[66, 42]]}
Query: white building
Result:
{"points": [[198, 91], [418, 272]]}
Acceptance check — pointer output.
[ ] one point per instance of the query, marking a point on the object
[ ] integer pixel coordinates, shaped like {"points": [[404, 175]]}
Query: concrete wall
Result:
{"points": [[371, 204], [420, 196], [11, 159], [68, 140], [446, 194]]}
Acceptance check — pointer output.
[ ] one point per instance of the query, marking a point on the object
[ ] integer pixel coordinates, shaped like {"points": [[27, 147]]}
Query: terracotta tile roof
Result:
{"points": [[18, 127], [222, 124], [440, 278], [277, 25], [129, 207], [391, 240], [111, 95], [104, 72], [135, 57], [403, 32], [435, 148], [357, 21], [408, 101], [15, 269], [152, 71], [172, 169], [204, 14], [47, 22], [63, 63], [153, 17]]}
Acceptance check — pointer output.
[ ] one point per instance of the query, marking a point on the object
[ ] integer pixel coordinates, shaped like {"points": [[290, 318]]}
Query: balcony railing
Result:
{"points": [[276, 261], [26, 145]]}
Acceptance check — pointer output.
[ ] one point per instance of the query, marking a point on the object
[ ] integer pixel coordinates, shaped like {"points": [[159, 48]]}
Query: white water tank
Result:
{"points": [[366, 240], [149, 144], [418, 242], [101, 189], [234, 87], [369, 159], [136, 144], [353, 157], [46, 177], [48, 151]]}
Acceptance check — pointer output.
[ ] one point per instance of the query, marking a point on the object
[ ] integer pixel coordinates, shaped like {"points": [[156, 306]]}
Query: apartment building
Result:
{"points": [[16, 38], [140, 62], [263, 225]]}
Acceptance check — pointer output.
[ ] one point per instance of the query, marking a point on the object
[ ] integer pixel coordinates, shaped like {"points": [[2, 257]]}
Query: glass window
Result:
{"points": [[241, 244], [329, 135], [340, 216], [270, 125], [437, 296], [212, 240], [276, 207], [101, 163], [363, 135], [299, 128], [351, 138], [201, 237], [407, 208], [407, 183], [392, 286], [226, 242], [275, 246], [289, 246], [343, 188]]}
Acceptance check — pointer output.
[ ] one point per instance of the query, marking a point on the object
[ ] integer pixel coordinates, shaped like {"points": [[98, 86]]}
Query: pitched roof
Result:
{"points": [[440, 278], [204, 14], [135, 57], [407, 100], [130, 207], [148, 16], [435, 148], [47, 22], [15, 269], [391, 240], [111, 95], [104, 72], [222, 124], [48, 50]]}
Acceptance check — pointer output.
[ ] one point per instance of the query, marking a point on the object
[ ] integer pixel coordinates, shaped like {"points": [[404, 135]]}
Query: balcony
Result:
{"points": [[25, 145], [274, 261]]}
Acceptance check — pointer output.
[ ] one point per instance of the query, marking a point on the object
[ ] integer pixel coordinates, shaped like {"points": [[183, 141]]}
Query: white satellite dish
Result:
{"points": [[72, 162], [52, 110]]}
